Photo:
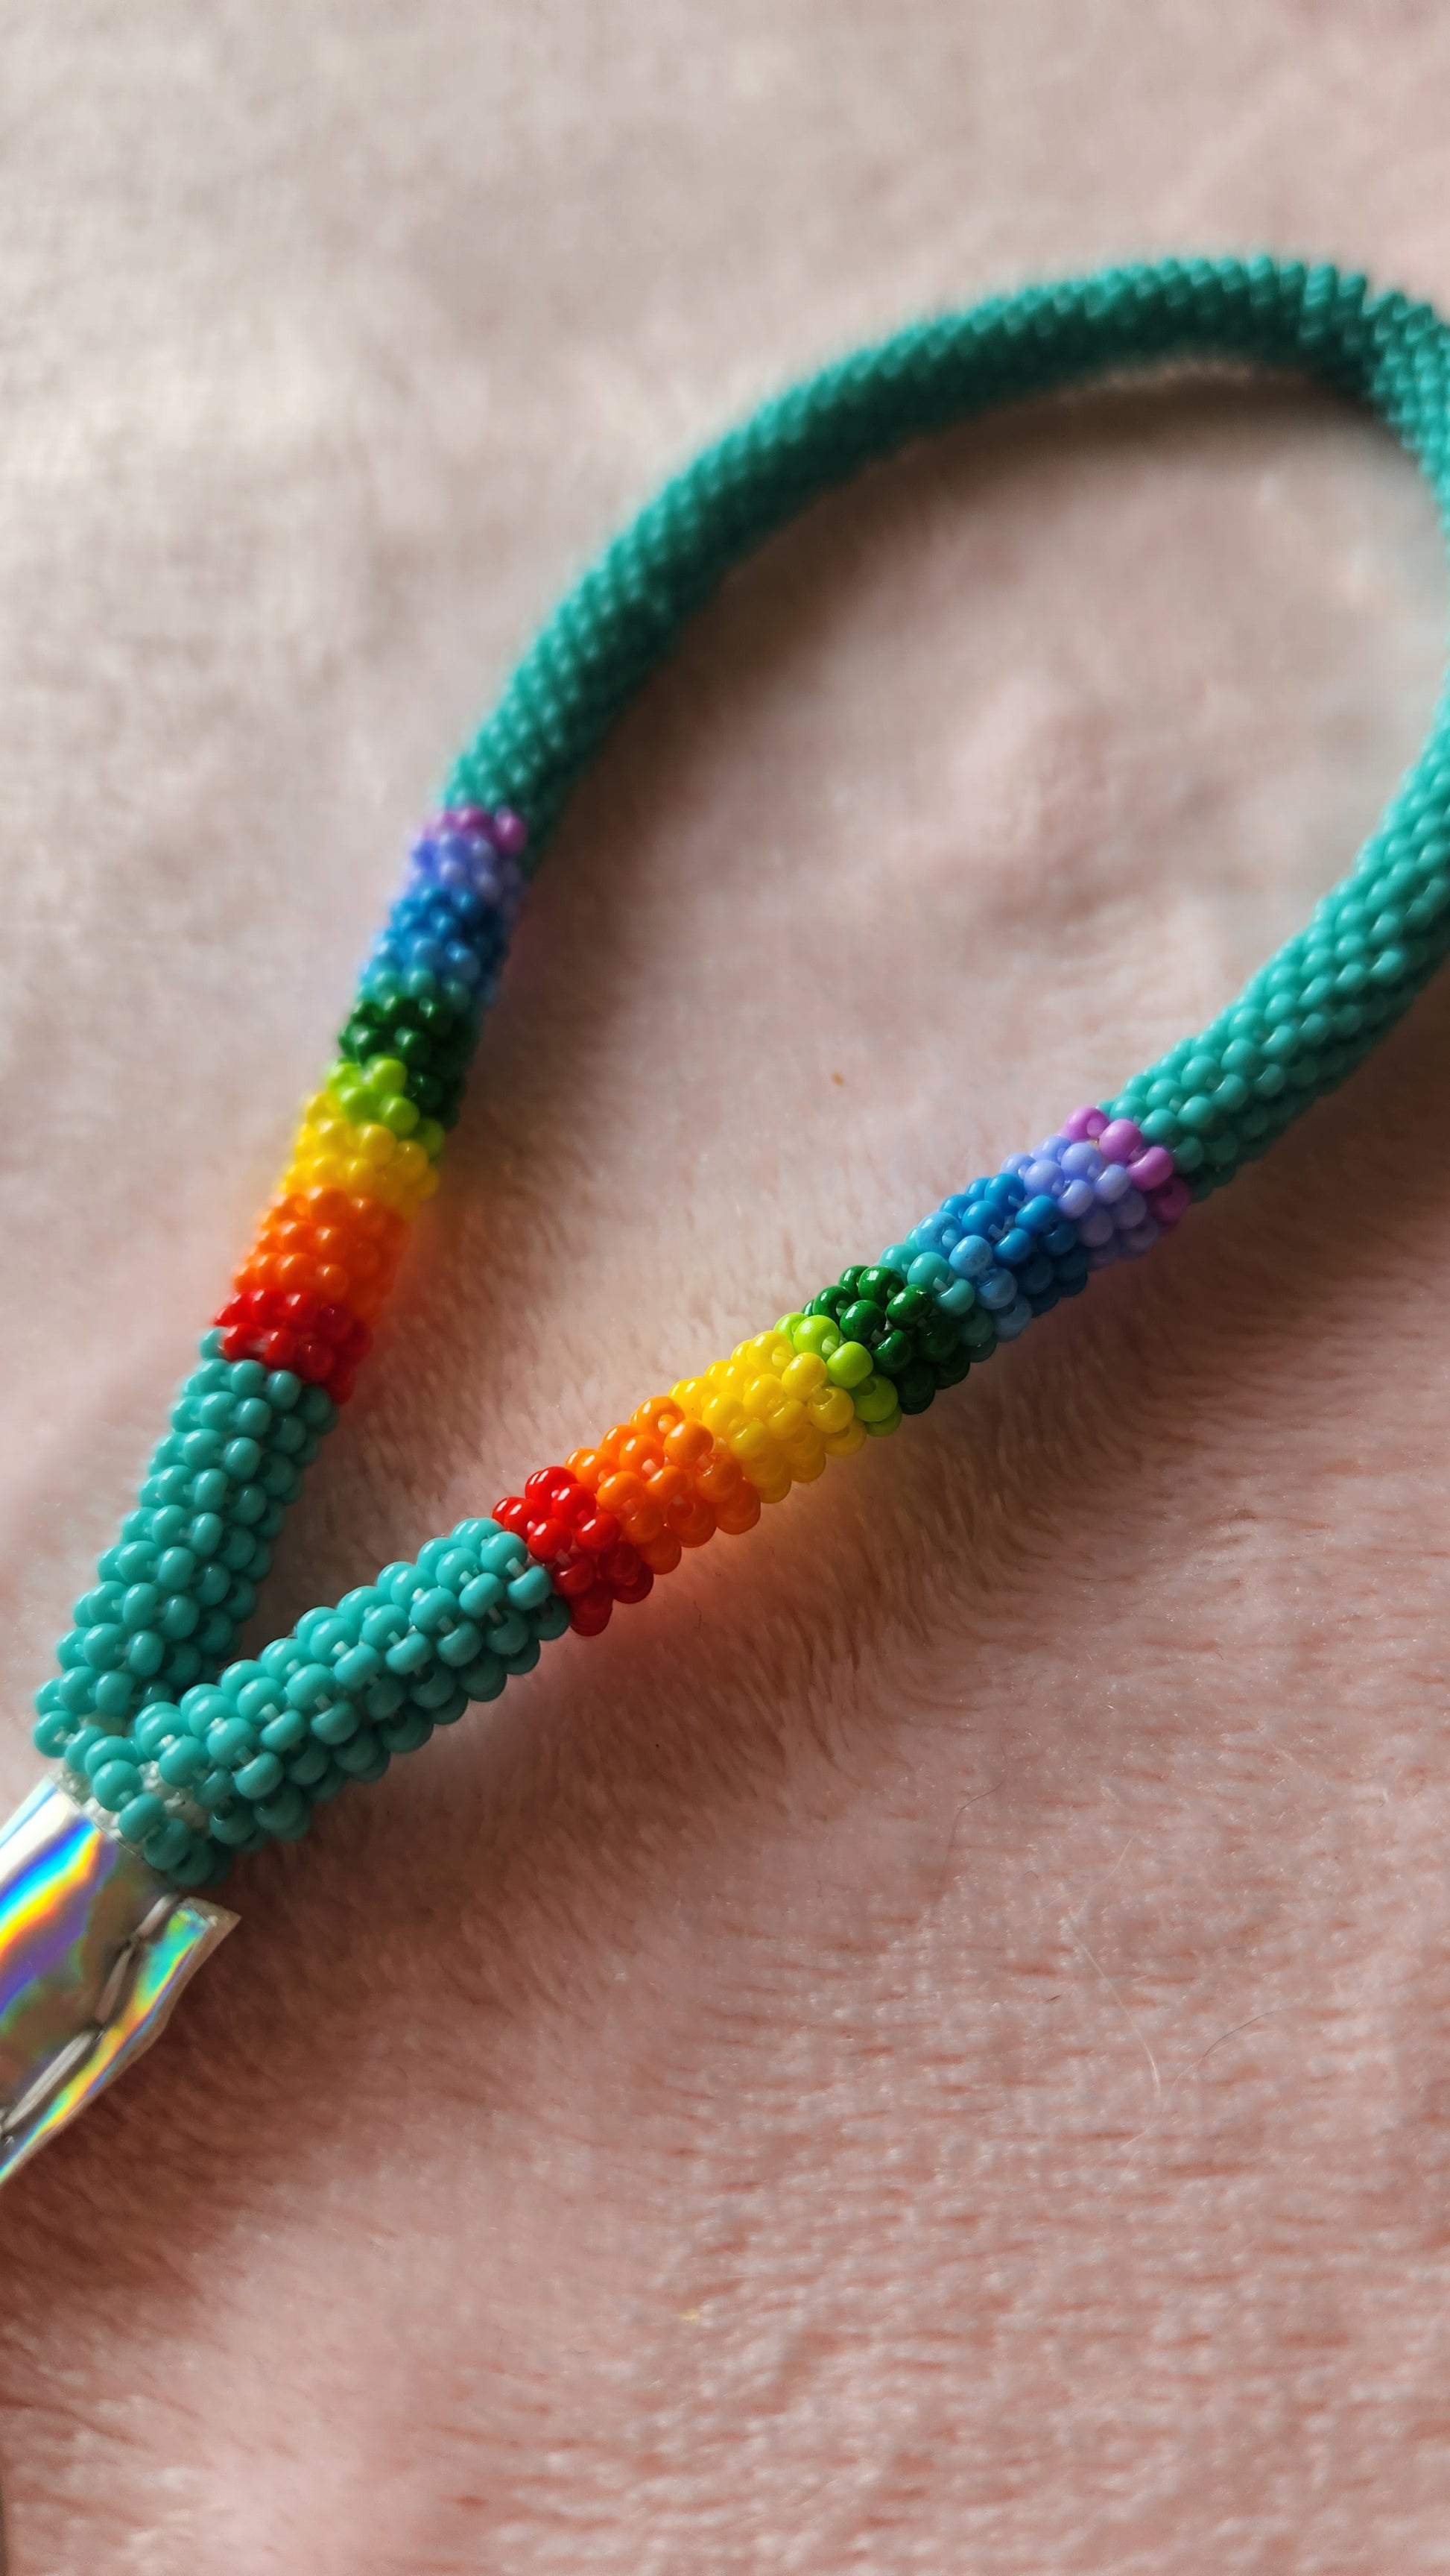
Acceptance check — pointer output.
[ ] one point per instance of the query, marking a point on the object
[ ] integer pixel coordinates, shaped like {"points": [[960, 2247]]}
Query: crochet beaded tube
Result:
{"points": [[192, 1756]]}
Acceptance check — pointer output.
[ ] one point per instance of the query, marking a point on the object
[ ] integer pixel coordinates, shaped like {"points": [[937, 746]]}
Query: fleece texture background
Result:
{"points": [[925, 2049]]}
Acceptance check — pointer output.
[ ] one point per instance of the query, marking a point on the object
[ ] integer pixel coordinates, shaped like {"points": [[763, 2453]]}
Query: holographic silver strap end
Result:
{"points": [[94, 1950]]}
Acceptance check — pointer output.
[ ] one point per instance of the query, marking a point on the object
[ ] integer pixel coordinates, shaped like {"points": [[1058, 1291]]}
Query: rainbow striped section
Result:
{"points": [[366, 1155], [882, 1341]]}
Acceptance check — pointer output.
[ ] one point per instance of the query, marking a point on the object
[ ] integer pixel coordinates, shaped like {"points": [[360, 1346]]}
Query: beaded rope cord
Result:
{"points": [[173, 1756]]}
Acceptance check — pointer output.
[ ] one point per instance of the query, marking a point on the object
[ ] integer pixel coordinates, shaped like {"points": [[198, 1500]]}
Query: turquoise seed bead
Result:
{"points": [[140, 1817], [182, 1761], [358, 1666], [168, 1845], [286, 1732], [287, 1814], [531, 1589], [433, 1612], [99, 1746], [203, 1707], [407, 1733], [333, 1726], [310, 1687], [503, 1555], [463, 1645], [233, 1824], [322, 1634], [361, 1753], [115, 1784], [230, 1742], [256, 1780], [156, 1727], [434, 1689], [472, 1533]]}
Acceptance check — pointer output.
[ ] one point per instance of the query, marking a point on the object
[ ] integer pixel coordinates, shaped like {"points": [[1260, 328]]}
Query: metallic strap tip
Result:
{"points": [[94, 1950]]}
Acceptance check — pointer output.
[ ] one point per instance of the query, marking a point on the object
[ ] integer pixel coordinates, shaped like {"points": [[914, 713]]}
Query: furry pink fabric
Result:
{"points": [[925, 2048]]}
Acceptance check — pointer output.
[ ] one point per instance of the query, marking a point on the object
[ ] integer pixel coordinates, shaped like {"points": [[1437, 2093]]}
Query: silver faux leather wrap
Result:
{"points": [[94, 1950]]}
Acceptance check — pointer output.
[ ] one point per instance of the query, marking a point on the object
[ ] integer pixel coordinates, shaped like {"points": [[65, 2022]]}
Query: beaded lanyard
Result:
{"points": [[173, 1758]]}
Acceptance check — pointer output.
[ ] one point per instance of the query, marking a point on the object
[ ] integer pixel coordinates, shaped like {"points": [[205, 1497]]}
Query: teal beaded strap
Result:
{"points": [[1372, 942], [191, 1756]]}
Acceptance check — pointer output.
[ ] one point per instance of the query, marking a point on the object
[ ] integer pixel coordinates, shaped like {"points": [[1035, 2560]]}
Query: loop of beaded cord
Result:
{"points": [[195, 1757]]}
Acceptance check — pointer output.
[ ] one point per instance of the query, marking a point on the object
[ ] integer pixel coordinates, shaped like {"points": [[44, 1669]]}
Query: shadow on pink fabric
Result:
{"points": [[924, 2047]]}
